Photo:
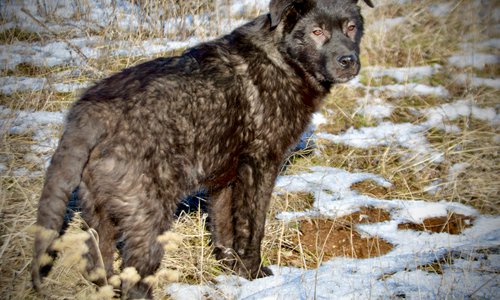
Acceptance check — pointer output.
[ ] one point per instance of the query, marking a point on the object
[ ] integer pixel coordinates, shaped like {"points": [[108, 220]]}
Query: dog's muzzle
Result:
{"points": [[347, 61], [347, 67]]}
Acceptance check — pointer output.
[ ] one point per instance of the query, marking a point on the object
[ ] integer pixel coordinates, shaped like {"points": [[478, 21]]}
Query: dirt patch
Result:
{"points": [[328, 238], [452, 224], [367, 215], [317, 240]]}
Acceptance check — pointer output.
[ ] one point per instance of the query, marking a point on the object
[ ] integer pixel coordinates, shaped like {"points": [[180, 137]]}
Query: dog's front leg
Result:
{"points": [[251, 195]]}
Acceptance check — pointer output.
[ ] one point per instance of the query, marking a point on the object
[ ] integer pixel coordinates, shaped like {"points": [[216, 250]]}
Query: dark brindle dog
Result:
{"points": [[221, 116]]}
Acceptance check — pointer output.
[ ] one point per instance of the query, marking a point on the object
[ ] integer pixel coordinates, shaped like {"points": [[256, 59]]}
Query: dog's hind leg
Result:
{"points": [[143, 220], [103, 245], [142, 251]]}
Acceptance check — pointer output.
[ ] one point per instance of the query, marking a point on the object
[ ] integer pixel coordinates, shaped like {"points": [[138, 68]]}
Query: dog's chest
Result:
{"points": [[278, 110]]}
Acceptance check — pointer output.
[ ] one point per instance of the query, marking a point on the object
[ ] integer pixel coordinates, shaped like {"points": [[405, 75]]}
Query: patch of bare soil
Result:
{"points": [[326, 239], [368, 215], [320, 239], [452, 224]]}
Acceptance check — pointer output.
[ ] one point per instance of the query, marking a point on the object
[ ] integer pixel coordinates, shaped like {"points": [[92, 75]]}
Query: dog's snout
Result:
{"points": [[346, 61]]}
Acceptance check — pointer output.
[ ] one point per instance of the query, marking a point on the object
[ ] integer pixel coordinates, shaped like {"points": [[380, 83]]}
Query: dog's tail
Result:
{"points": [[83, 131]]}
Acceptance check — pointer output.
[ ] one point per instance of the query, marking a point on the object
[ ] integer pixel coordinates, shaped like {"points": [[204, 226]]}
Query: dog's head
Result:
{"points": [[321, 37]]}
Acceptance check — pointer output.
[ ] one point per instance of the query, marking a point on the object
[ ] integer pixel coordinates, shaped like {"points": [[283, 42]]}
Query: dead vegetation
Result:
{"points": [[421, 39]]}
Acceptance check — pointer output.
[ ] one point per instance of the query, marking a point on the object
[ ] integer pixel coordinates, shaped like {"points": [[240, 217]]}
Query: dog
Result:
{"points": [[221, 116]]}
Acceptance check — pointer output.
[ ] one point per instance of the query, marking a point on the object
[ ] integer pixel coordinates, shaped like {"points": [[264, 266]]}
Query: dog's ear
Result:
{"points": [[368, 2], [279, 8], [276, 10]]}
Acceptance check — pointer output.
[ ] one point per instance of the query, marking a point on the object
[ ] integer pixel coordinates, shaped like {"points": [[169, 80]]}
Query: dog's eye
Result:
{"points": [[351, 28], [317, 32]]}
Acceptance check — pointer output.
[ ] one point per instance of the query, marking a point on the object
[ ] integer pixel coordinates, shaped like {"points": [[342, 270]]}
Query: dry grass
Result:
{"points": [[421, 39]]}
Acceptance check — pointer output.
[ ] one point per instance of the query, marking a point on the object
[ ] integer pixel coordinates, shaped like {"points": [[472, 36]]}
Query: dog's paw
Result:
{"points": [[252, 271], [263, 272], [36, 279]]}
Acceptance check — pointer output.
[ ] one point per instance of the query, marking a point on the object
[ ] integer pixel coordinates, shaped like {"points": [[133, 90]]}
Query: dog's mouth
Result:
{"points": [[344, 75], [339, 75], [345, 79]]}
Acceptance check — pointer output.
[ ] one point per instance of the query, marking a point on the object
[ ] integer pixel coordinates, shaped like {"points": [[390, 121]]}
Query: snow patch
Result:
{"points": [[123, 15], [476, 60], [405, 135], [441, 9], [434, 187], [412, 136], [437, 117], [45, 127], [456, 169], [151, 47], [60, 53], [385, 24], [373, 107], [12, 84], [475, 81], [318, 119], [496, 138], [412, 89], [470, 46], [243, 7], [327, 185], [333, 197], [48, 55], [403, 74], [453, 173]]}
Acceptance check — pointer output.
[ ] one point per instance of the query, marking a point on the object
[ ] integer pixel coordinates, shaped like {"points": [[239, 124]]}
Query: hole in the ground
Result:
{"points": [[452, 223]]}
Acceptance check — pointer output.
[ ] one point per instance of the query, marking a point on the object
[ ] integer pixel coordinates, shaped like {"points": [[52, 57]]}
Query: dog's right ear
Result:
{"points": [[279, 8], [369, 3]]}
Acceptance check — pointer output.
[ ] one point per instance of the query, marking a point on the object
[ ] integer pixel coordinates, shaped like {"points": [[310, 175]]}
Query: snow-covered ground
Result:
{"points": [[395, 274]]}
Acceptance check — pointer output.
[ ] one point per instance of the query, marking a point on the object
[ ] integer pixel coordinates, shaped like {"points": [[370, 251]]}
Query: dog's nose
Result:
{"points": [[346, 61]]}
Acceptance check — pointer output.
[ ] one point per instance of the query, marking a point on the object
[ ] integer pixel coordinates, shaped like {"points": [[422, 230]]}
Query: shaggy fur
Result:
{"points": [[221, 116]]}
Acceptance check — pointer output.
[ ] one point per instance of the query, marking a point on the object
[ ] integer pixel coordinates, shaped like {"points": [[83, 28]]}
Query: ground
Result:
{"points": [[398, 198]]}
